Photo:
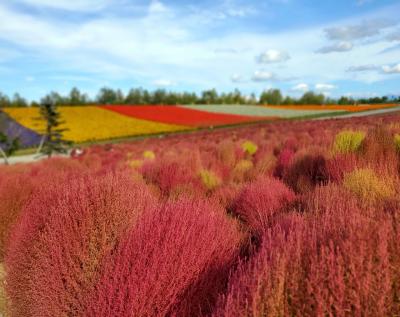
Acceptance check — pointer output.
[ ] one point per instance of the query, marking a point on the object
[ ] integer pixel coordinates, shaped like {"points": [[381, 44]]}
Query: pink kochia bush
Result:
{"points": [[173, 262], [15, 190], [57, 248], [260, 201], [330, 261]]}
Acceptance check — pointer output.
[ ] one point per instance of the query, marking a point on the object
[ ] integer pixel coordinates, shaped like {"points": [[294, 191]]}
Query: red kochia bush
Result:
{"points": [[168, 174], [173, 262], [15, 190], [306, 172], [336, 260], [284, 160], [260, 201], [57, 248]]}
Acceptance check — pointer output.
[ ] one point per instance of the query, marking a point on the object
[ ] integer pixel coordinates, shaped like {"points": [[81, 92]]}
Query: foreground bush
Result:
{"points": [[348, 141], [332, 261], [15, 190], [307, 172], [57, 249], [260, 201], [173, 262]]}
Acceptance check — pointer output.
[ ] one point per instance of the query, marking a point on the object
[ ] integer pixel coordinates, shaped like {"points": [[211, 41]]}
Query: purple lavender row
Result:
{"points": [[13, 129]]}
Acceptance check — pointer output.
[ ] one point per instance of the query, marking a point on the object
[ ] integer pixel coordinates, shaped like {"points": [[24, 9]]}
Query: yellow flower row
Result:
{"points": [[90, 123]]}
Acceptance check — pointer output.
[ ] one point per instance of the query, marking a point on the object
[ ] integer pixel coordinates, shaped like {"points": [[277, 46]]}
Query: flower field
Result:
{"points": [[94, 123], [264, 111], [290, 218], [189, 116], [11, 128]]}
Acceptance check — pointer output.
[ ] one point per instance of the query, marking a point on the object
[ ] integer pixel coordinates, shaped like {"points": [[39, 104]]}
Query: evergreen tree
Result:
{"points": [[53, 141]]}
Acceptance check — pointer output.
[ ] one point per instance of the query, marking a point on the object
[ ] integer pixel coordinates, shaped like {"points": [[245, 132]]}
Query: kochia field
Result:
{"points": [[288, 218]]}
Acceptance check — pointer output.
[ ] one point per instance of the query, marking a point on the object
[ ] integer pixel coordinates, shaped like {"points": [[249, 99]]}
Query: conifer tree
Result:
{"points": [[52, 137]]}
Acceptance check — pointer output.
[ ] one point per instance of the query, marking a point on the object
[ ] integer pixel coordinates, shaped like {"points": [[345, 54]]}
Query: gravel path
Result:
{"points": [[362, 114]]}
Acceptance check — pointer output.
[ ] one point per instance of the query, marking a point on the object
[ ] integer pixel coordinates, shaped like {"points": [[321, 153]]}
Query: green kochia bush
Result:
{"points": [[348, 141], [249, 147], [397, 142]]}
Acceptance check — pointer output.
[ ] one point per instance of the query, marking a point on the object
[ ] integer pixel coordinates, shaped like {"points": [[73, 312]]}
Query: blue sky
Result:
{"points": [[342, 47]]}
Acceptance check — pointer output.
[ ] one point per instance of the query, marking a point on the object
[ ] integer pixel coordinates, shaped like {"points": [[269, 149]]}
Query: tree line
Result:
{"points": [[140, 96]]}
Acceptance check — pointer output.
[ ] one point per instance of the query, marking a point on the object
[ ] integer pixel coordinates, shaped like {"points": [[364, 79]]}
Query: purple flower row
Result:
{"points": [[12, 129]]}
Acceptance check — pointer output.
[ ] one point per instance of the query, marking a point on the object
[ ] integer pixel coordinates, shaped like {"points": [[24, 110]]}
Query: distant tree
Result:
{"points": [[289, 101], [77, 98], [135, 97], [188, 98], [251, 100], [330, 101], [146, 97], [346, 101], [310, 98], [237, 97], [158, 97], [18, 101], [53, 97], [8, 146], [108, 96], [209, 96], [172, 98], [52, 137], [4, 101], [271, 97]]}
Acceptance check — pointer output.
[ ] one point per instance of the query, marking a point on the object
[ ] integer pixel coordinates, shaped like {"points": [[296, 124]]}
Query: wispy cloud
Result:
{"points": [[81, 5], [362, 68], [365, 29], [337, 47], [302, 87]]}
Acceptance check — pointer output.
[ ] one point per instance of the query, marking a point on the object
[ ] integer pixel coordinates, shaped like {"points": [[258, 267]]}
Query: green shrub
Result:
{"points": [[149, 155], [209, 179], [397, 142], [348, 141], [249, 147]]}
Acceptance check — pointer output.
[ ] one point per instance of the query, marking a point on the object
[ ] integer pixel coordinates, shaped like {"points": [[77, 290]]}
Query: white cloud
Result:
{"points": [[261, 75], [394, 69], [337, 47], [301, 87], [324, 87], [237, 78], [157, 7], [163, 83], [273, 56]]}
